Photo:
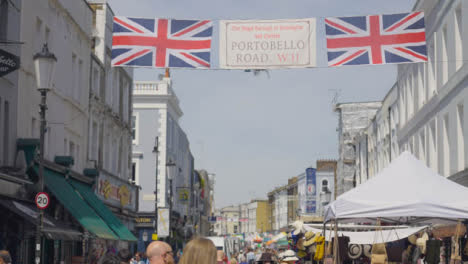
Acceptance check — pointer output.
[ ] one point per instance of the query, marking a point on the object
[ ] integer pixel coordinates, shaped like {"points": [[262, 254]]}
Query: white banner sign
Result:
{"points": [[163, 222], [267, 44]]}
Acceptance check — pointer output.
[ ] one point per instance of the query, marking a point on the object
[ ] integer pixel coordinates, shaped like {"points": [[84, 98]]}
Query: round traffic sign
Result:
{"points": [[42, 200]]}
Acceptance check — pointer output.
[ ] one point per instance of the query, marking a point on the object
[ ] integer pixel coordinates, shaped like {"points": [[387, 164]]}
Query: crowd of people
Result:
{"points": [[200, 251], [197, 251]]}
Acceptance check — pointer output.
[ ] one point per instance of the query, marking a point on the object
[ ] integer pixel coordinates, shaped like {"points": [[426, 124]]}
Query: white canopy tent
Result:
{"points": [[405, 192]]}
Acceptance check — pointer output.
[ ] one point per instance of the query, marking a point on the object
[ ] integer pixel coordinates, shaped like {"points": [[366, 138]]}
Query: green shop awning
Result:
{"points": [[102, 210], [76, 205]]}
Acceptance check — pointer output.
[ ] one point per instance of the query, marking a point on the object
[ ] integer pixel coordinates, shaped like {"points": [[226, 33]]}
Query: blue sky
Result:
{"points": [[255, 132]]}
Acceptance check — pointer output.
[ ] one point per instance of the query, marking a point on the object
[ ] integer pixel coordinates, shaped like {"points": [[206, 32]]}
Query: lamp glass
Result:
{"points": [[45, 69], [44, 66]]}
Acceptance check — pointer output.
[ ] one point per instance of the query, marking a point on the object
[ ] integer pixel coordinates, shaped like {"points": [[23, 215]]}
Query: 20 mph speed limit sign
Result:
{"points": [[42, 200]]}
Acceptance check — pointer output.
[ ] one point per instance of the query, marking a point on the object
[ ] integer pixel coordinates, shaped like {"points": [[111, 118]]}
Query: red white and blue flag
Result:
{"points": [[161, 42], [377, 39]]}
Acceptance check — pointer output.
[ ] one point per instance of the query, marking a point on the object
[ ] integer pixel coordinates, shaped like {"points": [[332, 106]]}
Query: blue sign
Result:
{"points": [[311, 190], [311, 206]]}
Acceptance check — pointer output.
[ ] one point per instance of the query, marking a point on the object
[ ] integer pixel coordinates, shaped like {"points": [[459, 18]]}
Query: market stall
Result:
{"points": [[406, 194]]}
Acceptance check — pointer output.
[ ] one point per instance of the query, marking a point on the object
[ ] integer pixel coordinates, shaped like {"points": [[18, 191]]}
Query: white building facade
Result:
{"points": [[66, 27], [156, 114], [428, 117], [280, 209], [109, 123]]}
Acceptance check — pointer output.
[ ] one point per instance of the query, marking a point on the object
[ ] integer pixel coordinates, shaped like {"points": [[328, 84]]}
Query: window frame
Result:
{"points": [[134, 126]]}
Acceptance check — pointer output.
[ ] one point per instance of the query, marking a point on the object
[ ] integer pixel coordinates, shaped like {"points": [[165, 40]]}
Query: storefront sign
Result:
{"points": [[143, 220], [8, 62], [311, 191], [117, 192], [267, 44]]}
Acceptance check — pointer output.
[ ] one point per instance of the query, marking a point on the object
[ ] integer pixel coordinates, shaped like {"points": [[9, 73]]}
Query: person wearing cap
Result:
{"points": [[5, 257], [289, 257]]}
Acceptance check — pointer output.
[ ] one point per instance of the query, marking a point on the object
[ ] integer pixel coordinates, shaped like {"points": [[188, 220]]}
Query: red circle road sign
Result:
{"points": [[42, 200]]}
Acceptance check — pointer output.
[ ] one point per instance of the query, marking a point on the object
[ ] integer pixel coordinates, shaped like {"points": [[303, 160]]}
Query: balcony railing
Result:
{"points": [[146, 86]]}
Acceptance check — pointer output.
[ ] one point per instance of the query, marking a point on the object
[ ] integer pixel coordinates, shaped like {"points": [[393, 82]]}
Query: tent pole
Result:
{"points": [[335, 245]]}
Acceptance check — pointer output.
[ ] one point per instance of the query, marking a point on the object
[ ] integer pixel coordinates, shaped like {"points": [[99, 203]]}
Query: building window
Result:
{"points": [[458, 37], [444, 59], [71, 149], [73, 76], [6, 131], [431, 68], [3, 19], [133, 179], [94, 142], [433, 146], [79, 79], [135, 129], [422, 146], [96, 81], [445, 146], [235, 229], [324, 185], [461, 137]]}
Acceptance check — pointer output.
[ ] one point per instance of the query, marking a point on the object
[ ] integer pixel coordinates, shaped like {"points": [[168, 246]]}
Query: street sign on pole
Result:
{"points": [[42, 200]]}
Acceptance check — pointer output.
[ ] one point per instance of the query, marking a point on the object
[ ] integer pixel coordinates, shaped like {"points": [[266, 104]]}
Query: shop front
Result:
{"points": [[74, 222], [121, 197], [144, 225]]}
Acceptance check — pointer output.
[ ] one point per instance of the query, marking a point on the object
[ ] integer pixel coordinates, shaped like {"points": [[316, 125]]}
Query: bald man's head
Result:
{"points": [[157, 250]]}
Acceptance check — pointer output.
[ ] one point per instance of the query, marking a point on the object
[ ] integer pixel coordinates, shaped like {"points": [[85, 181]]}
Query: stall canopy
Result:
{"points": [[405, 192], [371, 237]]}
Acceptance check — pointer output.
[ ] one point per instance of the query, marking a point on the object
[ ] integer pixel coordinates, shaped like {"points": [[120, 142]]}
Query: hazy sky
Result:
{"points": [[255, 132]]}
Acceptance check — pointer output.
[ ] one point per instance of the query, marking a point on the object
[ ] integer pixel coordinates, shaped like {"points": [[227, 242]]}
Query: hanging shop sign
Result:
{"points": [[267, 44], [311, 190], [8, 62], [183, 194], [117, 192]]}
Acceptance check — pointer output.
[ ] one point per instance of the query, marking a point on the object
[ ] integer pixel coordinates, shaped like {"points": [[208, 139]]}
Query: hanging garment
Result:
{"points": [[343, 243], [416, 255], [320, 249], [465, 248], [395, 250], [433, 251]]}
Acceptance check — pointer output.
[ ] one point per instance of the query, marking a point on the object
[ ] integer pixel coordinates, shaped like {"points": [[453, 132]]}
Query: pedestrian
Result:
{"points": [[243, 260], [159, 252], [5, 257], [138, 258], [124, 256], [241, 254], [199, 251], [250, 256], [110, 258], [221, 257], [233, 259]]}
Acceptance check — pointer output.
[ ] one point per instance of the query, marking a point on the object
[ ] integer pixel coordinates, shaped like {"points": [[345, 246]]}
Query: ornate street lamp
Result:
{"points": [[44, 64]]}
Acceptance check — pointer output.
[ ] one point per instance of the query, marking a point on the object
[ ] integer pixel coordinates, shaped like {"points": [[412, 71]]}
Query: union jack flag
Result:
{"points": [[378, 39], [161, 42]]}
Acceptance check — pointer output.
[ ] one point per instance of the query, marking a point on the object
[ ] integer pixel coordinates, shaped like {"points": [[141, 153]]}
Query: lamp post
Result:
{"points": [[170, 166], [156, 150], [44, 64]]}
